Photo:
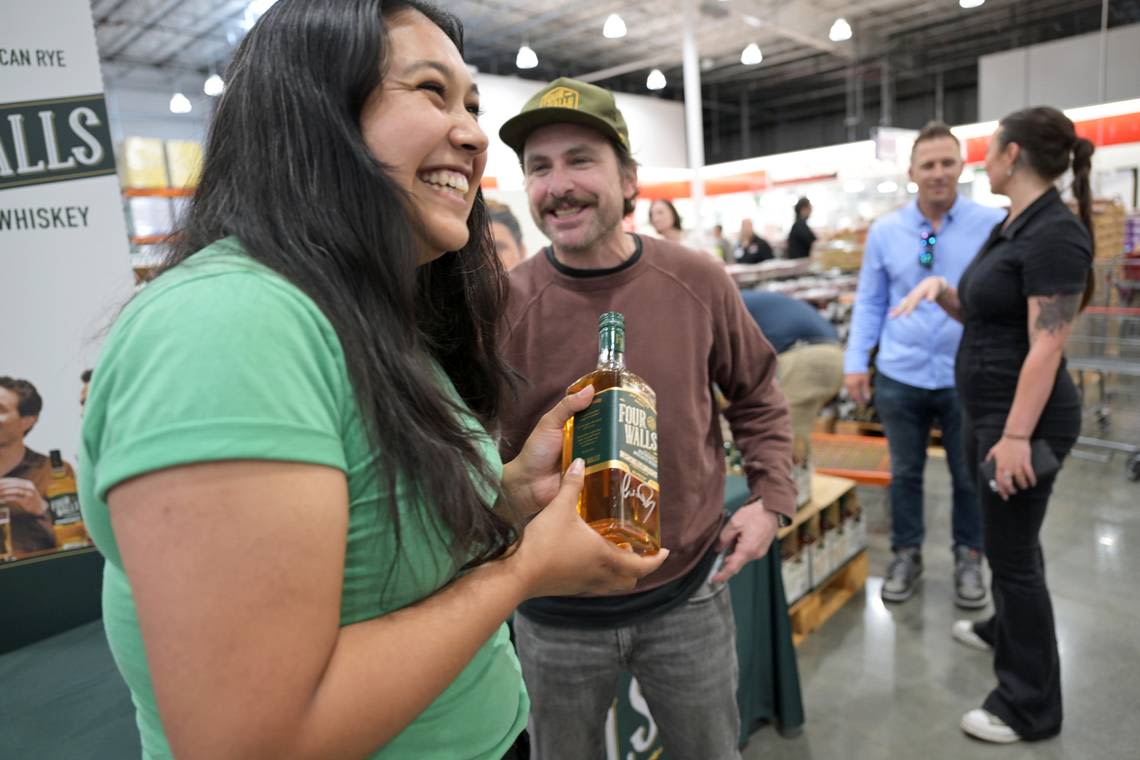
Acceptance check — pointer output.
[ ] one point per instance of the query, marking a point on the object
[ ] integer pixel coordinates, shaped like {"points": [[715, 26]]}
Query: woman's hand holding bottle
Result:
{"points": [[560, 555]]}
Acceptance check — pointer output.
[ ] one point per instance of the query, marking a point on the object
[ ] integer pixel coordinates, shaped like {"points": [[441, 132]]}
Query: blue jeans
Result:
{"points": [[684, 661], [907, 413]]}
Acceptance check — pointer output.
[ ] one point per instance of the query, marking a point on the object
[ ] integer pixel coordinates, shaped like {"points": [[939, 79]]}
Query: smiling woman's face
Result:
{"points": [[422, 124]]}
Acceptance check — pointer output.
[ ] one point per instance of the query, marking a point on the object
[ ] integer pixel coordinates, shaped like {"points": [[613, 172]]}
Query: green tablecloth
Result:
{"points": [[62, 697], [769, 679]]}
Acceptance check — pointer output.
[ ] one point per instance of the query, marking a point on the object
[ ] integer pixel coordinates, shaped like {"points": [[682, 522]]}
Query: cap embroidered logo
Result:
{"points": [[560, 97]]}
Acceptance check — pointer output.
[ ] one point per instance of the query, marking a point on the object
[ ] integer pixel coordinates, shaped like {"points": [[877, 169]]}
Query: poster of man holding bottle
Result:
{"points": [[39, 509], [64, 254]]}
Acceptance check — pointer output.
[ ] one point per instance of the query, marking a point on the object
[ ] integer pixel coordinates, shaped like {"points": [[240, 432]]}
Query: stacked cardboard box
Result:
{"points": [[1108, 228]]}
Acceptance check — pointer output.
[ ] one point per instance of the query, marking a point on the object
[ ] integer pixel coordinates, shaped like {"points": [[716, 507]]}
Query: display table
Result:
{"points": [[45, 595], [62, 697], [769, 689]]}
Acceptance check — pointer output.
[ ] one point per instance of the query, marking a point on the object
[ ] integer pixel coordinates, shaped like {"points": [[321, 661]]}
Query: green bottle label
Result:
{"points": [[618, 430], [64, 509]]}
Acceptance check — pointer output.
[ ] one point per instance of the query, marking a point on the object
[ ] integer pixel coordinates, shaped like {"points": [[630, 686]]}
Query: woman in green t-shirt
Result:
{"points": [[311, 543]]}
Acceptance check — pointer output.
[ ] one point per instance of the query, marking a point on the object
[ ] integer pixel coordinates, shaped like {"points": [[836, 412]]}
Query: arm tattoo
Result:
{"points": [[1057, 312]]}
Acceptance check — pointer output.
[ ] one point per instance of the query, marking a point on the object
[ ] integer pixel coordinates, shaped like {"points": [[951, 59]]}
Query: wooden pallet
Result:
{"points": [[862, 458], [822, 602], [858, 427], [825, 491]]}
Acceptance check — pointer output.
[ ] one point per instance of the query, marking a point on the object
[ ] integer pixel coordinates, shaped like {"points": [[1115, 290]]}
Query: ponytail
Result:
{"points": [[1082, 191]]}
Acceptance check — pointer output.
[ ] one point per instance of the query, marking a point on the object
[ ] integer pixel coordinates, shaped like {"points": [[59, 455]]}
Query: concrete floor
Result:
{"points": [[888, 681]]}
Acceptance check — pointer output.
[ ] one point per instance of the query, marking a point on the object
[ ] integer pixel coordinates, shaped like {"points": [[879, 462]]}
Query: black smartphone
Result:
{"points": [[1041, 458]]}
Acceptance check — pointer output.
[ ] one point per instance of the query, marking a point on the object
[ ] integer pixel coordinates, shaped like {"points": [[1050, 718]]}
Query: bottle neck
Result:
{"points": [[611, 348]]}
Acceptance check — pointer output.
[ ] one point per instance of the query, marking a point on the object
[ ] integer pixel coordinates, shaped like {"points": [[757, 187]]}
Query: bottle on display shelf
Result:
{"points": [[63, 503], [616, 436]]}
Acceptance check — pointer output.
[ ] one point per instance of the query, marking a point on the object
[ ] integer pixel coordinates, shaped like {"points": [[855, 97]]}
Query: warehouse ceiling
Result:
{"points": [[912, 45]]}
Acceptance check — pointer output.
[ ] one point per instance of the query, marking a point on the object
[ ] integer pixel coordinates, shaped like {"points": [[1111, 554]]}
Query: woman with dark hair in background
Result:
{"points": [[666, 221], [506, 234], [287, 465], [800, 238], [1017, 301]]}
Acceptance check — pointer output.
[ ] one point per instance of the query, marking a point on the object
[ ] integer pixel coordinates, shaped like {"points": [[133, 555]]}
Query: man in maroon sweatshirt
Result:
{"points": [[686, 330]]}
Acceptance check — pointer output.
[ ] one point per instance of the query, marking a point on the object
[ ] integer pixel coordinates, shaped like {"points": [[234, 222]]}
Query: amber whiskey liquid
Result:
{"points": [[617, 438], [63, 503], [5, 533]]}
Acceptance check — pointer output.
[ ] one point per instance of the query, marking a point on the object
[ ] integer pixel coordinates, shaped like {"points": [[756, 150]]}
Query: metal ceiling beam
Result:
{"points": [[227, 18], [104, 17], [524, 30], [117, 46], [798, 21]]}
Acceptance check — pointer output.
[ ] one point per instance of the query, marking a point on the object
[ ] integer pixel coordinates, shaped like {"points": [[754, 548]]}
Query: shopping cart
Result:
{"points": [[1104, 356]]}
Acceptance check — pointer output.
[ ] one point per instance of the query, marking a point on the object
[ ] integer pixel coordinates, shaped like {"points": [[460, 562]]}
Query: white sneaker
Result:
{"points": [[963, 633], [988, 727]]}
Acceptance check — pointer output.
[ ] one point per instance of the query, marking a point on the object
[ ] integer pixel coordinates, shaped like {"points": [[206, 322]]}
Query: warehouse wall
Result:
{"points": [[1063, 73]]}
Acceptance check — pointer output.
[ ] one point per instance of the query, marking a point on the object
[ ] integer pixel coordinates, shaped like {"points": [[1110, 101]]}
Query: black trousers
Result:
{"points": [[1021, 631], [520, 750]]}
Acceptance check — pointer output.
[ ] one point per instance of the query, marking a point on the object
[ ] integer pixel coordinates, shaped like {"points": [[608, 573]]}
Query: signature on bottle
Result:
{"points": [[643, 493]]}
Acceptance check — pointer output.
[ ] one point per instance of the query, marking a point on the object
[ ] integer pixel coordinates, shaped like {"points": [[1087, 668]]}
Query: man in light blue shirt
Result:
{"points": [[938, 234]]}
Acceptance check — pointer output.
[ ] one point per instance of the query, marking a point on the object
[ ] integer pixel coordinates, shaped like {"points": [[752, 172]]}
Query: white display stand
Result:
{"points": [[64, 266]]}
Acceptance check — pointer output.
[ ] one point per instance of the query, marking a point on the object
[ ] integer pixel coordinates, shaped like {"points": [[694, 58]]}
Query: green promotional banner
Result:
{"points": [[52, 140]]}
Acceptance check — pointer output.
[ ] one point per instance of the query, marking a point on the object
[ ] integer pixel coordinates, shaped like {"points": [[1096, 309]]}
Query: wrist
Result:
{"points": [[513, 573], [511, 483], [1014, 436]]}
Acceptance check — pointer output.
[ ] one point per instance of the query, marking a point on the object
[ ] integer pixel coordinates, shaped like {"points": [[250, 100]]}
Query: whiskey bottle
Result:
{"points": [[63, 503], [616, 436]]}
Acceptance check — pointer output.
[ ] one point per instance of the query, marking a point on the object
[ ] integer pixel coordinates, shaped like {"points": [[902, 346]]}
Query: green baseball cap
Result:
{"points": [[566, 101]]}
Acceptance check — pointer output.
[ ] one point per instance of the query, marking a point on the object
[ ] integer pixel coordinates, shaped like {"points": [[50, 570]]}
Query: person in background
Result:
{"points": [[686, 329], [750, 247], [721, 245], [85, 379], [288, 456], [506, 233], [1017, 301], [801, 238], [25, 473], [666, 221], [810, 361], [936, 234]]}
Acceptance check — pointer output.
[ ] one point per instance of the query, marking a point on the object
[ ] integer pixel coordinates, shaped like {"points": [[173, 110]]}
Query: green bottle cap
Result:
{"points": [[611, 319]]}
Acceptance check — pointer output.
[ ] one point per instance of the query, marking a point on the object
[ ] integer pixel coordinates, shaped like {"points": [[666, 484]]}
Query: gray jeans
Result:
{"points": [[685, 662]]}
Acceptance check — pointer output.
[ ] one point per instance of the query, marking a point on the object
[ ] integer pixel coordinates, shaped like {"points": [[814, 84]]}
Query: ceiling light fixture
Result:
{"points": [[971, 3], [840, 31], [527, 58], [179, 103], [614, 27], [888, 186], [751, 55], [912, 187], [214, 86], [656, 80], [752, 21]]}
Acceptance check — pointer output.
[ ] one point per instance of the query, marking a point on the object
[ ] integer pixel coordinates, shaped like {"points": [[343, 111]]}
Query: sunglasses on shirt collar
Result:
{"points": [[926, 255]]}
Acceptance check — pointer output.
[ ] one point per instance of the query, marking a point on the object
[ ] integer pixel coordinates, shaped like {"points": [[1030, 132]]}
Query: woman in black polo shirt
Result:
{"points": [[1017, 301]]}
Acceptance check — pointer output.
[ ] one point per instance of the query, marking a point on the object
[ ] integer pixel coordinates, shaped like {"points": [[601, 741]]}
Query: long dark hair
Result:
{"points": [[1050, 146], [287, 172]]}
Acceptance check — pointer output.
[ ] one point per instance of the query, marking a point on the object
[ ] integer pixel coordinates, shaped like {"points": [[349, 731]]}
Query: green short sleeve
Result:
{"points": [[222, 361]]}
